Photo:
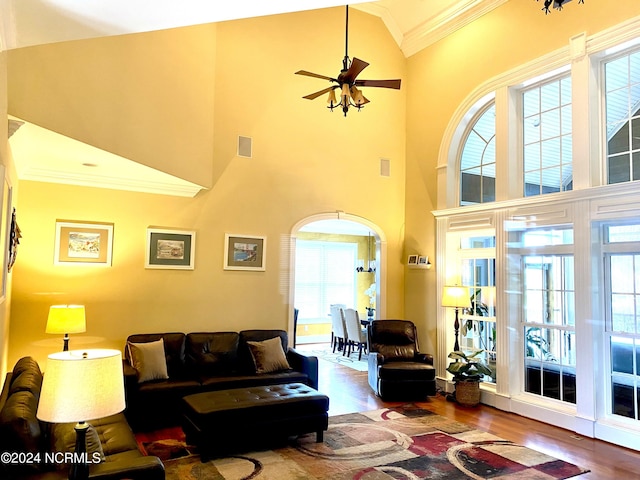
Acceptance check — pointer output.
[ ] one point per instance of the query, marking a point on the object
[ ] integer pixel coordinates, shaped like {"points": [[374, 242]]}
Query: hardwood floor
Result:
{"points": [[349, 392]]}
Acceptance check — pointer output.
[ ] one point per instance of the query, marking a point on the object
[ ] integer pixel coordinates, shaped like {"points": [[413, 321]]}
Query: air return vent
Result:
{"points": [[244, 146], [385, 167]]}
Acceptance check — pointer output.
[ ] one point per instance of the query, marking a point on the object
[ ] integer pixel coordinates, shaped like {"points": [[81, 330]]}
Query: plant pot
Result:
{"points": [[468, 393]]}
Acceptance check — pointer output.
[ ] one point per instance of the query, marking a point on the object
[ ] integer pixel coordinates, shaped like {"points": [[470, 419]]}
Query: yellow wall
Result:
{"points": [[6, 161], [443, 75], [306, 161]]}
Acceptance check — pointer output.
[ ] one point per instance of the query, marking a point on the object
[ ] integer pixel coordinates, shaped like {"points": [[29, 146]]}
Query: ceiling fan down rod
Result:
{"points": [[345, 62]]}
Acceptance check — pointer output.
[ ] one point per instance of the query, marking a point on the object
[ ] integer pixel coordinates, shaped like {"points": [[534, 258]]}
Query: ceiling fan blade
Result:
{"points": [[356, 67], [315, 75], [379, 83], [311, 96]]}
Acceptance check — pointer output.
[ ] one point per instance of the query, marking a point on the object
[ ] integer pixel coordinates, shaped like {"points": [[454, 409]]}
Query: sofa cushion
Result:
{"points": [[27, 380], [268, 355], [20, 430], [63, 439], [149, 360], [212, 353]]}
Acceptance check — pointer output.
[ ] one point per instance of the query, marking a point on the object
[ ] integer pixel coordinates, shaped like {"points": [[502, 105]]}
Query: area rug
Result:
{"points": [[406, 442], [337, 357]]}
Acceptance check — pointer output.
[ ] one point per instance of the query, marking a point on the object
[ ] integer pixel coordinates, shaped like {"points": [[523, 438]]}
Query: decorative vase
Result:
{"points": [[468, 393]]}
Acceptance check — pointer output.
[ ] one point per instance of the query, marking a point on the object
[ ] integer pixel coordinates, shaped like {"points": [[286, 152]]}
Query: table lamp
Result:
{"points": [[81, 385], [456, 297], [66, 319]]}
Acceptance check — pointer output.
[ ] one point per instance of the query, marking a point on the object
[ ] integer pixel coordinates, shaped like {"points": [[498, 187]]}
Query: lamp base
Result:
{"points": [[80, 468]]}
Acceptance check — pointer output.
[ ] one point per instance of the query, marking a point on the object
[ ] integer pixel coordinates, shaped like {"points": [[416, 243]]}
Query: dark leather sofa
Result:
{"points": [[205, 361], [21, 433]]}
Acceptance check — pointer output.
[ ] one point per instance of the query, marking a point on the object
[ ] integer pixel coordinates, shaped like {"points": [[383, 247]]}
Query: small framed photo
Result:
{"points": [[413, 260], [244, 252], [170, 249], [422, 260], [83, 243]]}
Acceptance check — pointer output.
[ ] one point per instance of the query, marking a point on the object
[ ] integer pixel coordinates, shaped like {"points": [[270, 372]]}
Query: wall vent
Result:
{"points": [[244, 146], [385, 167]]}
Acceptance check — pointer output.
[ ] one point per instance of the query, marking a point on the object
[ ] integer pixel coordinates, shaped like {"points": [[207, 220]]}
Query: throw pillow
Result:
{"points": [[269, 355], [149, 360]]}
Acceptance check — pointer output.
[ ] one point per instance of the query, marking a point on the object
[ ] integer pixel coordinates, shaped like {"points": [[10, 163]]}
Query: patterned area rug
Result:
{"points": [[404, 442], [337, 357]]}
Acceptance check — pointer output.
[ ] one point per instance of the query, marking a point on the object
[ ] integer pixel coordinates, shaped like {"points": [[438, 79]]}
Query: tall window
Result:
{"points": [[622, 262], [548, 326], [325, 274], [547, 137], [478, 160], [478, 327], [622, 104]]}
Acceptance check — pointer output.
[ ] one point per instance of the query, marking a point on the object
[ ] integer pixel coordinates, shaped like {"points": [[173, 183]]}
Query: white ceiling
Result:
{"points": [[414, 24]]}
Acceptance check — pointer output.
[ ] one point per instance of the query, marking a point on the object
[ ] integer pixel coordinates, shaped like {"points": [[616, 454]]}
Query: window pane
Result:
{"points": [[619, 169]]}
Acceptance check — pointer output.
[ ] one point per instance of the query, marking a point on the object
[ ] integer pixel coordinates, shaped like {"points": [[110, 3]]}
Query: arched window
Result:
{"points": [[478, 159]]}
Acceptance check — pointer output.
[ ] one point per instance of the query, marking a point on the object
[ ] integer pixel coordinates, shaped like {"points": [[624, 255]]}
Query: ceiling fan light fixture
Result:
{"points": [[350, 96], [332, 100], [357, 96]]}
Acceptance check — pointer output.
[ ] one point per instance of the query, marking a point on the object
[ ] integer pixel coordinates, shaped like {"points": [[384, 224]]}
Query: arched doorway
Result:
{"points": [[339, 224]]}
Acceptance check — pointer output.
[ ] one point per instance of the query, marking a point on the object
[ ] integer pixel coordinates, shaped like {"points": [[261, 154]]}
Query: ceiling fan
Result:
{"points": [[350, 94]]}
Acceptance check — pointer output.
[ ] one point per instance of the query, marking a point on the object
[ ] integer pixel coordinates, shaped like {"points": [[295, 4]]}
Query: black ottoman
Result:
{"points": [[223, 421]]}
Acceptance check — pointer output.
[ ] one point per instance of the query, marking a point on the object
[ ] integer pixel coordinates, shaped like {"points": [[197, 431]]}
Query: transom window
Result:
{"points": [[547, 137], [622, 105], [478, 160]]}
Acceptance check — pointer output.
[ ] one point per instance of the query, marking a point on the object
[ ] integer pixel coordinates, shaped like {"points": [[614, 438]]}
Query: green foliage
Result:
{"points": [[467, 367]]}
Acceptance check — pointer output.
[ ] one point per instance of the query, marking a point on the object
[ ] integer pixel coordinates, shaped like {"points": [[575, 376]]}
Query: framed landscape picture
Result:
{"points": [[83, 243], [244, 252], [170, 249]]}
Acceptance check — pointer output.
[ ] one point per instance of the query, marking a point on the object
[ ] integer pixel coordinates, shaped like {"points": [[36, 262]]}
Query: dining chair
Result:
{"points": [[338, 329], [357, 336]]}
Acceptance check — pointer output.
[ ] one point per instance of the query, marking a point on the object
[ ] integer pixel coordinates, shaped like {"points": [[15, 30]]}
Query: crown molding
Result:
{"points": [[435, 28], [446, 23], [178, 189]]}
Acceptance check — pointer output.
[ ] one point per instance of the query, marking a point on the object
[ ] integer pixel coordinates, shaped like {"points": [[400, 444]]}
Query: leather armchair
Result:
{"points": [[397, 370]]}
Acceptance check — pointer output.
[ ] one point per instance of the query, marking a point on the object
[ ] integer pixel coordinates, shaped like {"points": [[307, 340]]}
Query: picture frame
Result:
{"points": [[83, 243], [5, 232], [423, 260], [412, 260], [244, 252], [170, 249]]}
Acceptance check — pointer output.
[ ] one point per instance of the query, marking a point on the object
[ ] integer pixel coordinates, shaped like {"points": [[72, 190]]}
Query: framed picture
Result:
{"points": [[5, 230], [422, 260], [170, 249], [413, 260], [83, 243], [244, 252]]}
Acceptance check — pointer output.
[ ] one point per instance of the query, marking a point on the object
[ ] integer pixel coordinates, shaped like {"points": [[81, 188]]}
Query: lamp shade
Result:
{"points": [[66, 319], [455, 296], [81, 385]]}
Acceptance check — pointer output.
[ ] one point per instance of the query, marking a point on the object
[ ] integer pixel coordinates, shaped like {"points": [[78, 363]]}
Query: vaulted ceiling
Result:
{"points": [[42, 155]]}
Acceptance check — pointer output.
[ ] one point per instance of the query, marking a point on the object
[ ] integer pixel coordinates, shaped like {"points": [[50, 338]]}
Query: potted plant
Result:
{"points": [[467, 371]]}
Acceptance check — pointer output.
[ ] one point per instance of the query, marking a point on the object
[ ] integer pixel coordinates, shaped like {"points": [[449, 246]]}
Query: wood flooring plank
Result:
{"points": [[349, 392]]}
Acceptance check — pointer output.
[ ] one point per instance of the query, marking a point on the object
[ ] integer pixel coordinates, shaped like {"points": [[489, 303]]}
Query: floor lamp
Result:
{"points": [[79, 386], [456, 297]]}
